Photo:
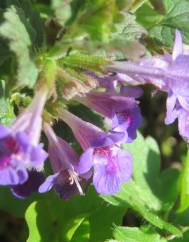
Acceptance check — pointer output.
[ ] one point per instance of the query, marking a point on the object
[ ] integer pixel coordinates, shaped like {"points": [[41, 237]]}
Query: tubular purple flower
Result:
{"points": [[102, 155], [169, 73], [20, 151], [88, 134], [139, 73], [108, 81], [63, 160], [122, 110]]}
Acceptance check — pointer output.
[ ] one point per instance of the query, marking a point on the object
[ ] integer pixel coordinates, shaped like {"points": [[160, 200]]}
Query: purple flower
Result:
{"points": [[111, 166], [169, 73], [35, 179], [177, 86], [123, 111], [102, 155], [63, 160], [108, 82], [166, 71], [178, 107], [20, 151]]}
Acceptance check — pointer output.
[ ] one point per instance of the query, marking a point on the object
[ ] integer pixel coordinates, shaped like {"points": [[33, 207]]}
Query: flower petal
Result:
{"points": [[108, 139], [125, 165], [178, 77], [85, 162], [4, 131], [105, 183], [184, 102], [49, 183], [37, 156], [31, 185], [134, 92], [66, 190], [23, 140], [171, 114], [10, 176], [110, 173], [177, 48], [183, 124]]}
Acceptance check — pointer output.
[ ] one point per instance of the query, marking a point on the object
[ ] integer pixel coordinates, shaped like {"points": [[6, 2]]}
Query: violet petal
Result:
{"points": [[49, 183], [85, 162], [31, 185]]}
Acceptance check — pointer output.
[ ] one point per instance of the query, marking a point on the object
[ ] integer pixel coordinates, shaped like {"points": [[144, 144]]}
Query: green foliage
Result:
{"points": [[79, 219], [146, 173], [12, 205], [126, 30], [185, 237], [21, 36], [80, 35], [184, 183], [99, 15], [6, 111], [136, 235], [161, 25], [31, 20], [146, 192], [19, 41], [31, 216]]}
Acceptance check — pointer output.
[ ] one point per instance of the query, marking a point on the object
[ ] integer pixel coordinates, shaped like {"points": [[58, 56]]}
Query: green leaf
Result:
{"points": [[136, 235], [185, 237], [169, 189], [31, 218], [146, 167], [99, 15], [79, 230], [123, 40], [19, 42], [132, 196], [6, 112], [59, 220], [126, 30], [31, 19], [184, 185], [12, 205], [2, 88], [162, 26], [147, 16], [162, 188]]}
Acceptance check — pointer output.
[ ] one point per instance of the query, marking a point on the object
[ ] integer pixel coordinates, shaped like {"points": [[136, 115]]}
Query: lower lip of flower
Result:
{"points": [[111, 167], [106, 152]]}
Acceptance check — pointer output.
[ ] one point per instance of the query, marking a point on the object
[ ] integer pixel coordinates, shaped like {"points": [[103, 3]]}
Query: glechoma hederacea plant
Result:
{"points": [[103, 159], [56, 72]]}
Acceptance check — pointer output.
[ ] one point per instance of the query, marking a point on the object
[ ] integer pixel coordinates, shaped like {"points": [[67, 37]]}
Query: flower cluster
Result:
{"points": [[112, 95], [103, 161], [21, 155]]}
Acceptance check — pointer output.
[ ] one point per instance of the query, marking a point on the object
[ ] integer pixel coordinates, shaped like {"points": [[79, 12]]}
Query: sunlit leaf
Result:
{"points": [[19, 42], [136, 235]]}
